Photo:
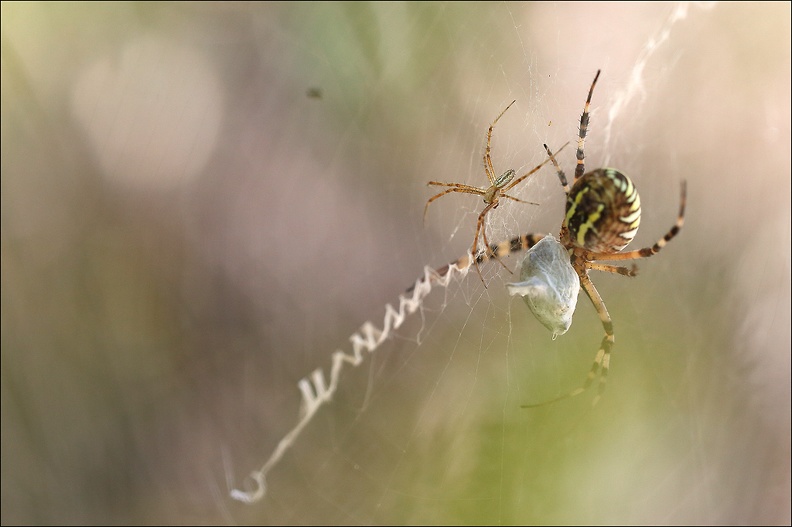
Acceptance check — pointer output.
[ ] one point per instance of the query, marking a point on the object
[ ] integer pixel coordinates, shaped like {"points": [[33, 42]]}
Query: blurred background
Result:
{"points": [[202, 201]]}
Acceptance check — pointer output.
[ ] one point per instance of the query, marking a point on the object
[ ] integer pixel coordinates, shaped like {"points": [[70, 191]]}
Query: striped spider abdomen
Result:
{"points": [[603, 211]]}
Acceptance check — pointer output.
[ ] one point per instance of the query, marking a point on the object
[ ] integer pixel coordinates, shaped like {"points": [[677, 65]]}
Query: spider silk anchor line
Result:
{"points": [[317, 391]]}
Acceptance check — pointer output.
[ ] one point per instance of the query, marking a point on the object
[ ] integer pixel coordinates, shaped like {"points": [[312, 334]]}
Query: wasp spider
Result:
{"points": [[603, 212], [499, 186]]}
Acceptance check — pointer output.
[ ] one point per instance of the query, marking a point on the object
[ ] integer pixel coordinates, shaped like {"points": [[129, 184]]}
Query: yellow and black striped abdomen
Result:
{"points": [[603, 211]]}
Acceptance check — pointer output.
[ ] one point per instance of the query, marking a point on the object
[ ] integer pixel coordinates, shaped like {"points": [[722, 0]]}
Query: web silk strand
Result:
{"points": [[317, 391]]}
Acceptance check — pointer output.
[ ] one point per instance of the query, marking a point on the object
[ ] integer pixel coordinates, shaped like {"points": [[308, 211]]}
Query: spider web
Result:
{"points": [[286, 161], [431, 430]]}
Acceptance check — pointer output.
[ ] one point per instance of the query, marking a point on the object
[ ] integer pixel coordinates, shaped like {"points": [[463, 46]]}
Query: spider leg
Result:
{"points": [[518, 199], [602, 358], [580, 168], [487, 152], [503, 248], [479, 227], [646, 252], [455, 187], [489, 247], [561, 176], [615, 269], [534, 169]]}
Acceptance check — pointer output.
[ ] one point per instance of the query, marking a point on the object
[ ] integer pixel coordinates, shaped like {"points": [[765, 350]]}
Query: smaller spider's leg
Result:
{"points": [[580, 168], [601, 363], [646, 252], [471, 188], [533, 170], [479, 227], [519, 200], [437, 196], [487, 152], [455, 187], [561, 176], [494, 253], [615, 269]]}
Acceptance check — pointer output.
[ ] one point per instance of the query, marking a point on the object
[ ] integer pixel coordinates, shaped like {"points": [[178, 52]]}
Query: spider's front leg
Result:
{"points": [[454, 187]]}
